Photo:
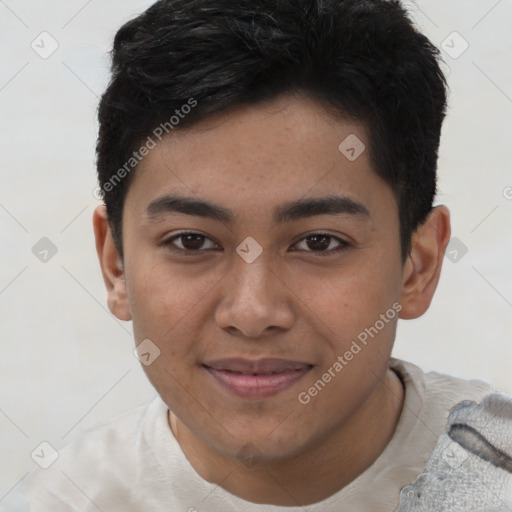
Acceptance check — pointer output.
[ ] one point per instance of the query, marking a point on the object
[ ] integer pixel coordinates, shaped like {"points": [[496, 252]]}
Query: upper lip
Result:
{"points": [[237, 364]]}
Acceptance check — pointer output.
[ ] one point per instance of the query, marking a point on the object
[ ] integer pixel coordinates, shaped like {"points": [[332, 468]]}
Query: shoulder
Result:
{"points": [[109, 439], [435, 391], [470, 462], [471, 466], [99, 464]]}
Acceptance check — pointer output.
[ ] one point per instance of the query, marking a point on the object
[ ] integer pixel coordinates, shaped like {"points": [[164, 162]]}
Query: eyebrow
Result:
{"points": [[295, 210]]}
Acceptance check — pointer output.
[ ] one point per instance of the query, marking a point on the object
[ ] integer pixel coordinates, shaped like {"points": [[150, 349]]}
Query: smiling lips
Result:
{"points": [[256, 379]]}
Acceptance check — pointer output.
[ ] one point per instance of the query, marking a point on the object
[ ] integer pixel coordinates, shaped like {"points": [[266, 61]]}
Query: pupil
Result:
{"points": [[317, 242], [315, 238], [192, 241]]}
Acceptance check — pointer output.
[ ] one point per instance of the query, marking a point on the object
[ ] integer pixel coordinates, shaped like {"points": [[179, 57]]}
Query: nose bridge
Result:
{"points": [[253, 298], [253, 279]]}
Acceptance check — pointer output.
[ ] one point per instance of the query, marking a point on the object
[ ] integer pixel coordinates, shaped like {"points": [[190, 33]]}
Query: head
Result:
{"points": [[296, 142]]}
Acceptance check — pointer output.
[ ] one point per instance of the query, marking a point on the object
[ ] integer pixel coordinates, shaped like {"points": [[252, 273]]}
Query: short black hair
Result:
{"points": [[183, 60]]}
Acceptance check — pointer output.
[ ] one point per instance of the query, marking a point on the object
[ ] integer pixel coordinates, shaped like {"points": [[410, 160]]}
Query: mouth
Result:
{"points": [[256, 379]]}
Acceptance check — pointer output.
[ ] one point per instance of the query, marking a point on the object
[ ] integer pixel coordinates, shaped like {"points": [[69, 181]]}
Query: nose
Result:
{"points": [[255, 300]]}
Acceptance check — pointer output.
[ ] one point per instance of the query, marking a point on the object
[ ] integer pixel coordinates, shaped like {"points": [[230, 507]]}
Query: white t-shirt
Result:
{"points": [[134, 463]]}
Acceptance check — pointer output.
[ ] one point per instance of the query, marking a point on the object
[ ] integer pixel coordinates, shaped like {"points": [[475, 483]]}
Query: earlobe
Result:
{"points": [[423, 265], [111, 266]]}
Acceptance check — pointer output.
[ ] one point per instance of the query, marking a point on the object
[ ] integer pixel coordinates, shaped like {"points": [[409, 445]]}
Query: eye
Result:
{"points": [[322, 244], [190, 242]]}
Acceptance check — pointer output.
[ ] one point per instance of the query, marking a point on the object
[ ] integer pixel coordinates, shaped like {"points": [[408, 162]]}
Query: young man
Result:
{"points": [[268, 170]]}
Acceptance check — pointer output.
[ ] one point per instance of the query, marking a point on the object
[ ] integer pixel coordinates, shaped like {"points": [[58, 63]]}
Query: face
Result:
{"points": [[254, 297]]}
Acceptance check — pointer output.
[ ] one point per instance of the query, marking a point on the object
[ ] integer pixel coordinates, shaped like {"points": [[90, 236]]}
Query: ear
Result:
{"points": [[423, 265], [111, 266]]}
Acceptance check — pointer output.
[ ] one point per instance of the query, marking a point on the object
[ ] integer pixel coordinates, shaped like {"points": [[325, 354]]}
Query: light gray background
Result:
{"points": [[66, 363]]}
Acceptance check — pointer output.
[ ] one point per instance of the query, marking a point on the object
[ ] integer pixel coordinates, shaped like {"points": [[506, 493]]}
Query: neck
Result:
{"points": [[314, 474]]}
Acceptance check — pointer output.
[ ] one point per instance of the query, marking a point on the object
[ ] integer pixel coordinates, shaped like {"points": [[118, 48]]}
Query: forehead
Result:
{"points": [[256, 156]]}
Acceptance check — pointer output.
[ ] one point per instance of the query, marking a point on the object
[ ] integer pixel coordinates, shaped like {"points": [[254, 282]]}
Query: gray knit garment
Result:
{"points": [[470, 469]]}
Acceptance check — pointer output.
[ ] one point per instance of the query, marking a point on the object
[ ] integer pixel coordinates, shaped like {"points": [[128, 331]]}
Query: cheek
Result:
{"points": [[170, 307], [348, 301], [163, 305], [358, 312], [157, 302], [158, 294]]}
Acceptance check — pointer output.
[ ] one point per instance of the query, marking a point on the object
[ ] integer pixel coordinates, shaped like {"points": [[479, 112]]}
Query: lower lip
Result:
{"points": [[257, 386]]}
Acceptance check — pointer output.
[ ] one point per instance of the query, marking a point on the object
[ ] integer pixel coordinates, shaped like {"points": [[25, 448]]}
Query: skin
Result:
{"points": [[292, 302]]}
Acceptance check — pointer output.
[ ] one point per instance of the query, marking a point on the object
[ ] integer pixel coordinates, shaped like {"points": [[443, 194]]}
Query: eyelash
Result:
{"points": [[168, 243]]}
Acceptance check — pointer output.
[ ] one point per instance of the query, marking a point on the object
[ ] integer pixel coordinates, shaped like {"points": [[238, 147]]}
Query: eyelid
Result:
{"points": [[343, 244], [168, 242]]}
